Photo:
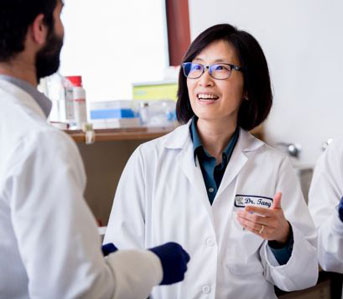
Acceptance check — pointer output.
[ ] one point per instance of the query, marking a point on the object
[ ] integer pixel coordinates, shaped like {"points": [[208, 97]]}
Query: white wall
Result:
{"points": [[303, 43]]}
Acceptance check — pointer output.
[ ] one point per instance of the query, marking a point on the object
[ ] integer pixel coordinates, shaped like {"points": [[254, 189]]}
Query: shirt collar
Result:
{"points": [[197, 142], [195, 136], [43, 102]]}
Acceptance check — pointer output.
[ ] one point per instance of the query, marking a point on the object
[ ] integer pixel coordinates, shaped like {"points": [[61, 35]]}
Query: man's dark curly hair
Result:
{"points": [[15, 18]]}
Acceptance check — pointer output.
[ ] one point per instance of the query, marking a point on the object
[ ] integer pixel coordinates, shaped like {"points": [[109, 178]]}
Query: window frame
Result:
{"points": [[178, 29]]}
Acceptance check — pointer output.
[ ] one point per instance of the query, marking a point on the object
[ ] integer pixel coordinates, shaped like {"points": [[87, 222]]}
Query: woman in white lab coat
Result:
{"points": [[214, 188]]}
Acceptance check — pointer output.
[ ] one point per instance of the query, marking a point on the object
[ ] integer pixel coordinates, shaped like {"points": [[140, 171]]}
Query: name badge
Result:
{"points": [[241, 201]]}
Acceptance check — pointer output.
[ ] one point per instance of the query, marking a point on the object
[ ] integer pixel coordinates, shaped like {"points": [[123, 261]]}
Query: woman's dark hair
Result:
{"points": [[257, 84], [15, 18]]}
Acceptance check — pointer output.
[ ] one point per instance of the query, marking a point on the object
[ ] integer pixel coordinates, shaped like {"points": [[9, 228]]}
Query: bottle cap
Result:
{"points": [[75, 80]]}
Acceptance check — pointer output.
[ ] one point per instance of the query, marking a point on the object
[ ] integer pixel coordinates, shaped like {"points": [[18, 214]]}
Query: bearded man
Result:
{"points": [[50, 247]]}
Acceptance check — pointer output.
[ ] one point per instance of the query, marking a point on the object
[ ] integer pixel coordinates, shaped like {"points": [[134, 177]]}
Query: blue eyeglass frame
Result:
{"points": [[208, 67]]}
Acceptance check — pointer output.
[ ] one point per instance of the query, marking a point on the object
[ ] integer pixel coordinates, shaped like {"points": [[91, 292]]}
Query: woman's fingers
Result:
{"points": [[253, 217], [259, 229], [264, 224], [277, 201], [258, 210], [270, 224]]}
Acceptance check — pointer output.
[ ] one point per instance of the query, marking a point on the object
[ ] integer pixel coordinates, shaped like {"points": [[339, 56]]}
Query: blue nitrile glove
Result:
{"points": [[108, 248], [174, 261], [340, 209]]}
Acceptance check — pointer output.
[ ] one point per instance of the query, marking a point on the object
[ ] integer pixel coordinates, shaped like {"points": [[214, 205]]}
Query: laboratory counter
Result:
{"points": [[140, 133]]}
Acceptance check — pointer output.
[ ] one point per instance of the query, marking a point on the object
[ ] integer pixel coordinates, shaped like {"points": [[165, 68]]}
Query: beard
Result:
{"points": [[48, 58]]}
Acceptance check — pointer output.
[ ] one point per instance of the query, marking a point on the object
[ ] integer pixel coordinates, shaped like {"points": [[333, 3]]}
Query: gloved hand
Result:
{"points": [[340, 209], [108, 248], [174, 261]]}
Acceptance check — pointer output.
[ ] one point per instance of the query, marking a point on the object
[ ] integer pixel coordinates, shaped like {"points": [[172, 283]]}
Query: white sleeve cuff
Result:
{"points": [[136, 272]]}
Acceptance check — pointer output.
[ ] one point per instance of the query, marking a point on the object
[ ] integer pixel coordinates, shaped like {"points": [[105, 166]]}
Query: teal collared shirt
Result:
{"points": [[211, 172], [213, 175]]}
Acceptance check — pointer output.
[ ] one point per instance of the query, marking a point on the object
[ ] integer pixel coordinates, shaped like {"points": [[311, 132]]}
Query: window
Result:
{"points": [[113, 44]]}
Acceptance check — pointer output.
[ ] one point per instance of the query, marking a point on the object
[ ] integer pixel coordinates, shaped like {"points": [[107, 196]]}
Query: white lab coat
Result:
{"points": [[161, 196], [49, 243], [325, 192]]}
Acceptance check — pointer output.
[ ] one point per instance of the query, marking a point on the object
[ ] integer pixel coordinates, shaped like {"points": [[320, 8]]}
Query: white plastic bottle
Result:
{"points": [[144, 113], [69, 102], [53, 88], [79, 101]]}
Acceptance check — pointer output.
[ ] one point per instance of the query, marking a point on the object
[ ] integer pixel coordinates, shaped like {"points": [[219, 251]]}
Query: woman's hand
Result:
{"points": [[270, 224]]}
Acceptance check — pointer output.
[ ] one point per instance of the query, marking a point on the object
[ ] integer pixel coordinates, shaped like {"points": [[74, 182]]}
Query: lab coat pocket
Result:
{"points": [[242, 254], [242, 269], [245, 259]]}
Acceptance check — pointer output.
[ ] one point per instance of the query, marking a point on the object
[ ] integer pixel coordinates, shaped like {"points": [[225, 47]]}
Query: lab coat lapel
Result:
{"points": [[246, 143], [237, 162], [194, 175], [180, 140]]}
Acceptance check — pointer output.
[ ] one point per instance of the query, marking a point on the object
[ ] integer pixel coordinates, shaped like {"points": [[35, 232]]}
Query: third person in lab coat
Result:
{"points": [[232, 201], [326, 206]]}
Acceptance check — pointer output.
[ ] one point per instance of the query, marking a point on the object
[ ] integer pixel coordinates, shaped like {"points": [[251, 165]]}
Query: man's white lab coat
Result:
{"points": [[49, 243]]}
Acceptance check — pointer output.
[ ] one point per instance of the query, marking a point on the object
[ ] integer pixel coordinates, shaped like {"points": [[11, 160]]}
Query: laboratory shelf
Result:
{"points": [[140, 133]]}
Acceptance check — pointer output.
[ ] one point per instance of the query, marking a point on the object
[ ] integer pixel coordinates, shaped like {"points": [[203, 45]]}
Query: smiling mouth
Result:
{"points": [[207, 97]]}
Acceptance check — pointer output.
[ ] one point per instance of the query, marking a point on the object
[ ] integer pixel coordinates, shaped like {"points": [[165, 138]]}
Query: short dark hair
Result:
{"points": [[15, 18], [257, 84]]}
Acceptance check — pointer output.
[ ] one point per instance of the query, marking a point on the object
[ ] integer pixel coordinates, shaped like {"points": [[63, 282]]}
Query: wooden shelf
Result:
{"points": [[140, 133]]}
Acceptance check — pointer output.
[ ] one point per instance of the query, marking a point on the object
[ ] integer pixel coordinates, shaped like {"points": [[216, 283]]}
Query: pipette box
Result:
{"points": [[113, 114]]}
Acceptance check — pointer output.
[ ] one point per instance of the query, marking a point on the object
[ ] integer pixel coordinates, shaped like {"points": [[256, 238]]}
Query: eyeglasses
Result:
{"points": [[220, 71]]}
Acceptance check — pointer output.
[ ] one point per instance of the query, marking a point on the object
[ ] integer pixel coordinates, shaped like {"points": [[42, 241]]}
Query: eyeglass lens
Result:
{"points": [[217, 71]]}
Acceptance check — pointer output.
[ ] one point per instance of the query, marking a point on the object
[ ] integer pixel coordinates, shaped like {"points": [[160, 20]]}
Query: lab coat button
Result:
{"points": [[210, 189], [206, 289], [210, 242]]}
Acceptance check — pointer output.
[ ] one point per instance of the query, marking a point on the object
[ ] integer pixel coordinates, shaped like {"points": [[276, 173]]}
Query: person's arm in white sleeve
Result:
{"points": [[129, 277], [301, 270], [57, 235], [325, 192]]}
